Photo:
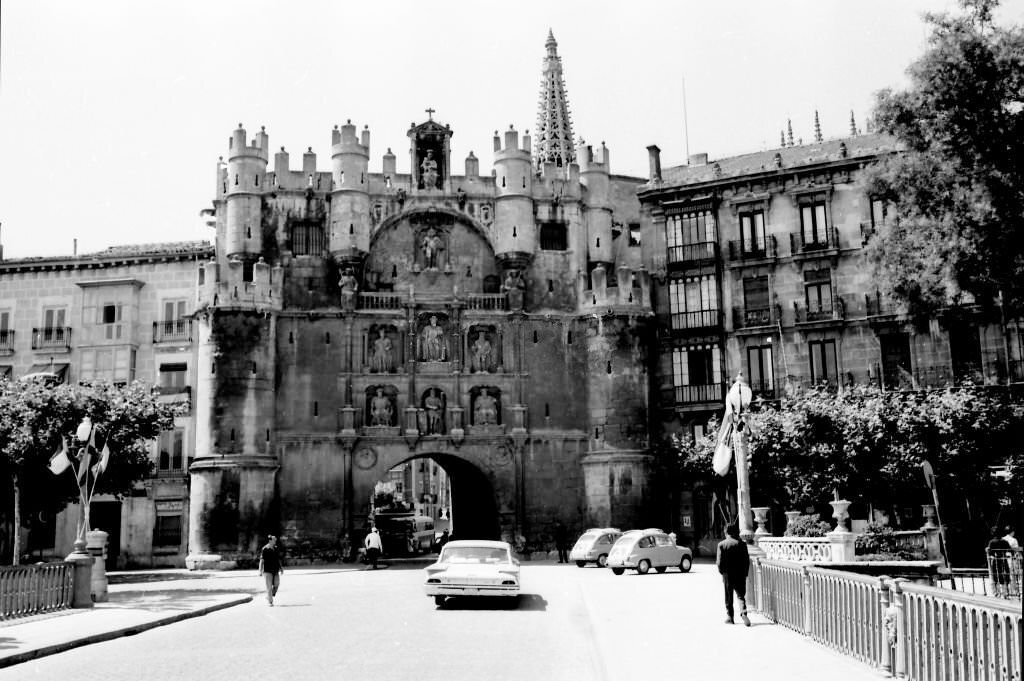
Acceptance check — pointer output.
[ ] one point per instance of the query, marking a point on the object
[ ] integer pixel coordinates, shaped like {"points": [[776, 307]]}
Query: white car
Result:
{"points": [[469, 567], [642, 550], [593, 546]]}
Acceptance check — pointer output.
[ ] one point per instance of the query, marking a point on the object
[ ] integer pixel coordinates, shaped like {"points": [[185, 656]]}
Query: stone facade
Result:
{"points": [[118, 315], [759, 268], [355, 319]]}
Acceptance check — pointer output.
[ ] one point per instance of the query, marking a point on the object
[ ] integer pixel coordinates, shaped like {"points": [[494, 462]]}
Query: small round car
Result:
{"points": [[593, 546], [642, 550]]}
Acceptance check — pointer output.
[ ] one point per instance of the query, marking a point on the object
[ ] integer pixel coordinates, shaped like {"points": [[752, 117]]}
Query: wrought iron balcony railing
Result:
{"points": [[820, 313], [700, 394], [748, 249], [828, 239], [51, 338], [750, 317], [172, 330], [695, 252], [696, 319]]}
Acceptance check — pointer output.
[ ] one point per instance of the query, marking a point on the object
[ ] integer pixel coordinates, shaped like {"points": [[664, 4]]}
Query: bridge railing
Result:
{"points": [[908, 630], [30, 589]]}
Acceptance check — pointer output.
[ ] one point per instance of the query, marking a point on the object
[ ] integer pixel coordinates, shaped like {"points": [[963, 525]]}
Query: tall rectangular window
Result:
{"points": [[818, 292], [109, 317], [813, 225], [760, 369], [691, 235], [167, 530], [823, 362], [693, 302], [172, 451], [174, 324], [6, 337], [752, 232], [879, 212], [696, 373], [54, 329], [307, 238], [173, 377]]}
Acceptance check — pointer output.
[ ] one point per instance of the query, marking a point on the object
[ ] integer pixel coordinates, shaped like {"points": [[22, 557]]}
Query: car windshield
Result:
{"points": [[473, 554]]}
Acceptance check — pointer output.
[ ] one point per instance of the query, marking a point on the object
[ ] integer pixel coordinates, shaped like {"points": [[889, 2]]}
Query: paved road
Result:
{"points": [[571, 624]]}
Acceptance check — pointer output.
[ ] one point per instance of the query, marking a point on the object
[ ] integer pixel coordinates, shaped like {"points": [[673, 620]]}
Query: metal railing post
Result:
{"points": [[806, 597]]}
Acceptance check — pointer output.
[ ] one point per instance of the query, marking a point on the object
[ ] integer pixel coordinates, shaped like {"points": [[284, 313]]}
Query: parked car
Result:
{"points": [[642, 550], [593, 546], [470, 567]]}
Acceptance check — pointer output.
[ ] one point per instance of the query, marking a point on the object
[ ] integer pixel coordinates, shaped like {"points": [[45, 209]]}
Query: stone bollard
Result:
{"points": [[80, 558], [96, 543]]}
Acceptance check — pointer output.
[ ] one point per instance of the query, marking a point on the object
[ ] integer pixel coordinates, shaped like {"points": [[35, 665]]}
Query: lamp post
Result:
{"points": [[81, 468], [738, 400]]}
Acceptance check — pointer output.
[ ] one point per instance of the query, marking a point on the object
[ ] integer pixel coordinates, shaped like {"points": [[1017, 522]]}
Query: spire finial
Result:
{"points": [[782, 138], [430, 112], [789, 132], [853, 124], [817, 127], [553, 133]]}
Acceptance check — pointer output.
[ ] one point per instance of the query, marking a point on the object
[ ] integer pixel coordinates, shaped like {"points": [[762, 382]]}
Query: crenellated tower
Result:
{"points": [[554, 124], [244, 185], [516, 239], [349, 235]]}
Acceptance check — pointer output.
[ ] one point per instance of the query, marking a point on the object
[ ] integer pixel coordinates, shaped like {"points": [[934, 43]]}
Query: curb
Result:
{"points": [[18, 658]]}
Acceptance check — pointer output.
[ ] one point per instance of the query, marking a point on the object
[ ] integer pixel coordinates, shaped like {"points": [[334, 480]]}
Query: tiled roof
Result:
{"points": [[792, 157], [173, 248]]}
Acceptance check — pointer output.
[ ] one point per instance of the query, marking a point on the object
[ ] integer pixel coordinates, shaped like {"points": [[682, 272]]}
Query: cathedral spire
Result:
{"points": [[554, 126]]}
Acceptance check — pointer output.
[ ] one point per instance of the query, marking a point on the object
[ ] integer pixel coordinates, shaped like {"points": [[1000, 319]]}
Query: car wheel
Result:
{"points": [[618, 571], [581, 563], [644, 566], [602, 560], [439, 601], [660, 569], [685, 564]]}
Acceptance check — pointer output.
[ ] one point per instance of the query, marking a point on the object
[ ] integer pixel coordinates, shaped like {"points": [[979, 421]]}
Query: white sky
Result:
{"points": [[113, 114]]}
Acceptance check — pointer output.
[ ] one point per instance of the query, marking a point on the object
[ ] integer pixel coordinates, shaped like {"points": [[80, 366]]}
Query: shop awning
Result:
{"points": [[57, 371]]}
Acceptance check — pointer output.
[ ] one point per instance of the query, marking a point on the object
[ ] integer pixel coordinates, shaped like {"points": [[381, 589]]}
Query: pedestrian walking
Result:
{"points": [[561, 543], [271, 567], [733, 562], [373, 547]]}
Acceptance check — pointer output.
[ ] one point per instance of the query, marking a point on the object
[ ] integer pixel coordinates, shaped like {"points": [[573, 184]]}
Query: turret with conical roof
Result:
{"points": [[554, 126]]}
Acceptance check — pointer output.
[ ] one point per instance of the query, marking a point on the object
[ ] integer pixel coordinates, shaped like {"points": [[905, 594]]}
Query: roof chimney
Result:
{"points": [[654, 159]]}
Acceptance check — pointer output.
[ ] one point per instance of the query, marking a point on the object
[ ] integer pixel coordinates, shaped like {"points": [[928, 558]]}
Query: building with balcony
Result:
{"points": [[118, 315], [777, 238]]}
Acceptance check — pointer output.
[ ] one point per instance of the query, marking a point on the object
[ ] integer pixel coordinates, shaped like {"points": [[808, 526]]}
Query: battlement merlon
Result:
{"points": [[227, 287], [511, 149], [260, 147], [345, 140]]}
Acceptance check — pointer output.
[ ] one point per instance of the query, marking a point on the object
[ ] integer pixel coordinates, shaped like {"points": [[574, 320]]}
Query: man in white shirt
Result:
{"points": [[373, 547]]}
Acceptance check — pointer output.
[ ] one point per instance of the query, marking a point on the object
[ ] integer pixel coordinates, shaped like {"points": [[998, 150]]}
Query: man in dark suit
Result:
{"points": [[733, 563]]}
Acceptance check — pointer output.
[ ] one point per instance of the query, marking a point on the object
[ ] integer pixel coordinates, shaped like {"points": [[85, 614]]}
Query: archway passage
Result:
{"points": [[425, 495]]}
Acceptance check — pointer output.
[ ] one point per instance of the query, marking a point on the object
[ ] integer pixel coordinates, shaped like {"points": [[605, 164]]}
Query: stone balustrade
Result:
{"points": [[797, 549]]}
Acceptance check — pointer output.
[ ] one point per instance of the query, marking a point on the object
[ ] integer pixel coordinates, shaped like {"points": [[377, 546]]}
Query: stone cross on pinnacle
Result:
{"points": [[430, 113]]}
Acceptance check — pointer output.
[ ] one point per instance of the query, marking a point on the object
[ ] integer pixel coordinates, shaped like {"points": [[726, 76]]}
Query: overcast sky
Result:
{"points": [[113, 114]]}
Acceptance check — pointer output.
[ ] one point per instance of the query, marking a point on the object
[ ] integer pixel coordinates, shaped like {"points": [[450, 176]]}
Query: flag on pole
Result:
{"points": [[59, 462], [104, 459], [83, 464]]}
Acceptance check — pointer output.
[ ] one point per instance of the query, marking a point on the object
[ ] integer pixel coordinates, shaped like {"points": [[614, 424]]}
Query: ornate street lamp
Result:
{"points": [[734, 436], [81, 465]]}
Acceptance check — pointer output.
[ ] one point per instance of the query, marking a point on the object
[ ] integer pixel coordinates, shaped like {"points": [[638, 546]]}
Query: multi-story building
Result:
{"points": [[117, 315], [355, 319], [759, 268]]}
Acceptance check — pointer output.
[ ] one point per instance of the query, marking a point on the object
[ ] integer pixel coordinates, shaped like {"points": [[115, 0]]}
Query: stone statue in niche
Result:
{"points": [[460, 196], [382, 360], [485, 409], [428, 171], [432, 342], [514, 287], [349, 287], [380, 409], [433, 405], [432, 245], [482, 354]]}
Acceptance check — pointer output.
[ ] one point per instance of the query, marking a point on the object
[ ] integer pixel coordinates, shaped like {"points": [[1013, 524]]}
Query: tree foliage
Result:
{"points": [[867, 445], [958, 189], [34, 415]]}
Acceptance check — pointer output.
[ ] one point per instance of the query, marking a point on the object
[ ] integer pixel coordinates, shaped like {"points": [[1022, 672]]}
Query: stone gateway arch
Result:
{"points": [[354, 320]]}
